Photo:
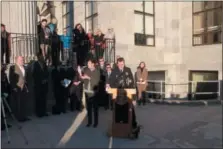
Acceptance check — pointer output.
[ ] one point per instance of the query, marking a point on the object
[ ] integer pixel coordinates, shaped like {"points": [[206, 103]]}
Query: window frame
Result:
{"points": [[204, 34], [65, 15], [144, 14], [92, 14]]}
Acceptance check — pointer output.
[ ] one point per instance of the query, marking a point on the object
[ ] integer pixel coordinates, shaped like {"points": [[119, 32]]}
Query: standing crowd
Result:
{"points": [[56, 47], [89, 74]]}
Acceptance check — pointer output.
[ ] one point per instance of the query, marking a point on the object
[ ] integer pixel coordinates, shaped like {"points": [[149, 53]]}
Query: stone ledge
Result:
{"points": [[186, 102]]}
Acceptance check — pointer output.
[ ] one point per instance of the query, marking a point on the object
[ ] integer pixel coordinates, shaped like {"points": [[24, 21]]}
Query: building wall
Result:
{"points": [[173, 50], [19, 18]]}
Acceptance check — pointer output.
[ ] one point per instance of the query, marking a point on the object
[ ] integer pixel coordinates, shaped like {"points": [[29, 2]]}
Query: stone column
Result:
{"points": [[20, 19]]}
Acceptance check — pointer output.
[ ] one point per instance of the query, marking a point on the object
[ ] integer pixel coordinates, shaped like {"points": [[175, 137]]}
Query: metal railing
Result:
{"points": [[192, 90], [23, 44], [27, 45], [106, 49]]}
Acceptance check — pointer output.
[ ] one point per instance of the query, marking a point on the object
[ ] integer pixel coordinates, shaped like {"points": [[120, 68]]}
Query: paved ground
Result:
{"points": [[164, 126]]}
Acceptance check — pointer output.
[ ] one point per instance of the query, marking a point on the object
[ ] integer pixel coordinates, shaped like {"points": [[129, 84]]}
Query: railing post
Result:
{"points": [[219, 89], [161, 90]]}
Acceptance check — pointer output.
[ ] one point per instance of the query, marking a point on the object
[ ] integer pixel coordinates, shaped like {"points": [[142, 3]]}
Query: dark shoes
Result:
{"points": [[88, 125], [95, 125]]}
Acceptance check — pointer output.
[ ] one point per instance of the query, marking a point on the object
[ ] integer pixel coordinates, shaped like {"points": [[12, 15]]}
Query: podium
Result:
{"points": [[122, 130]]}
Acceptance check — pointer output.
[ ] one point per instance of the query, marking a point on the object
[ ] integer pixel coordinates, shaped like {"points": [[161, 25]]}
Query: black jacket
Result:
{"points": [[40, 73], [56, 42], [41, 35], [120, 79], [5, 87]]}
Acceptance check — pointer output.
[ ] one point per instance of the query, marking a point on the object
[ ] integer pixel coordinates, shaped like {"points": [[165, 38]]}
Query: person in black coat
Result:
{"points": [[44, 36], [107, 81], [104, 98], [5, 88], [121, 78], [75, 89], [56, 48], [60, 91], [56, 83], [5, 45], [40, 77], [80, 44]]}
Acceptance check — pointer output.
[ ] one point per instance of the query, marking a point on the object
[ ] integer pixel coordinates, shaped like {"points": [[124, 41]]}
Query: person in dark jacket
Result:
{"points": [[44, 39], [121, 78], [56, 79], [107, 79], [91, 78], [5, 88], [80, 44], [104, 101], [75, 89], [60, 91], [5, 45], [56, 48], [40, 77]]}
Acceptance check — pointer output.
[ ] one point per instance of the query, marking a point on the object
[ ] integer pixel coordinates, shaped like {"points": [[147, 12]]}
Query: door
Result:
{"points": [[204, 86], [156, 86]]}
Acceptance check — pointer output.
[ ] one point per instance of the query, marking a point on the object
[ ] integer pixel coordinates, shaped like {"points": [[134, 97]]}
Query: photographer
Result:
{"points": [[5, 89], [91, 78]]}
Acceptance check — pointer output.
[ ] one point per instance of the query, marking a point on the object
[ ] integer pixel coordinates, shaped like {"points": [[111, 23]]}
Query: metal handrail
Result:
{"points": [[163, 82]]}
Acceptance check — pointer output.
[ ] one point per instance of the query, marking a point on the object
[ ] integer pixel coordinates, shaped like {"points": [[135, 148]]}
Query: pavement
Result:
{"points": [[163, 126]]}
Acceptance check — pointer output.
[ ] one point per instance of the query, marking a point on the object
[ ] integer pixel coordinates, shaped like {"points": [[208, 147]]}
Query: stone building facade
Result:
{"points": [[169, 51], [173, 53]]}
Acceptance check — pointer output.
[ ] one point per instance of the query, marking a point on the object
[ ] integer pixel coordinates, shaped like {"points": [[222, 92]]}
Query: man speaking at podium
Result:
{"points": [[122, 78]]}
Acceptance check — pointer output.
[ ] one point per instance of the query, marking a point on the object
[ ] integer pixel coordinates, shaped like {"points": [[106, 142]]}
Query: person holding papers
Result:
{"points": [[91, 78], [141, 80]]}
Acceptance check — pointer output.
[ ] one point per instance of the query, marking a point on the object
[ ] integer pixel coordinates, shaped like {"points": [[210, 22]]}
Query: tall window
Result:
{"points": [[144, 24], [207, 21], [91, 15], [65, 14]]}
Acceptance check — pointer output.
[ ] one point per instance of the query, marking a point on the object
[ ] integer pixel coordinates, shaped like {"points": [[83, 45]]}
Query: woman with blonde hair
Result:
{"points": [[99, 44], [141, 79]]}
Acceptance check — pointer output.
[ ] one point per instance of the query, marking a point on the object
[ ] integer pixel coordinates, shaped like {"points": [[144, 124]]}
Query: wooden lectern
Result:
{"points": [[121, 129]]}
